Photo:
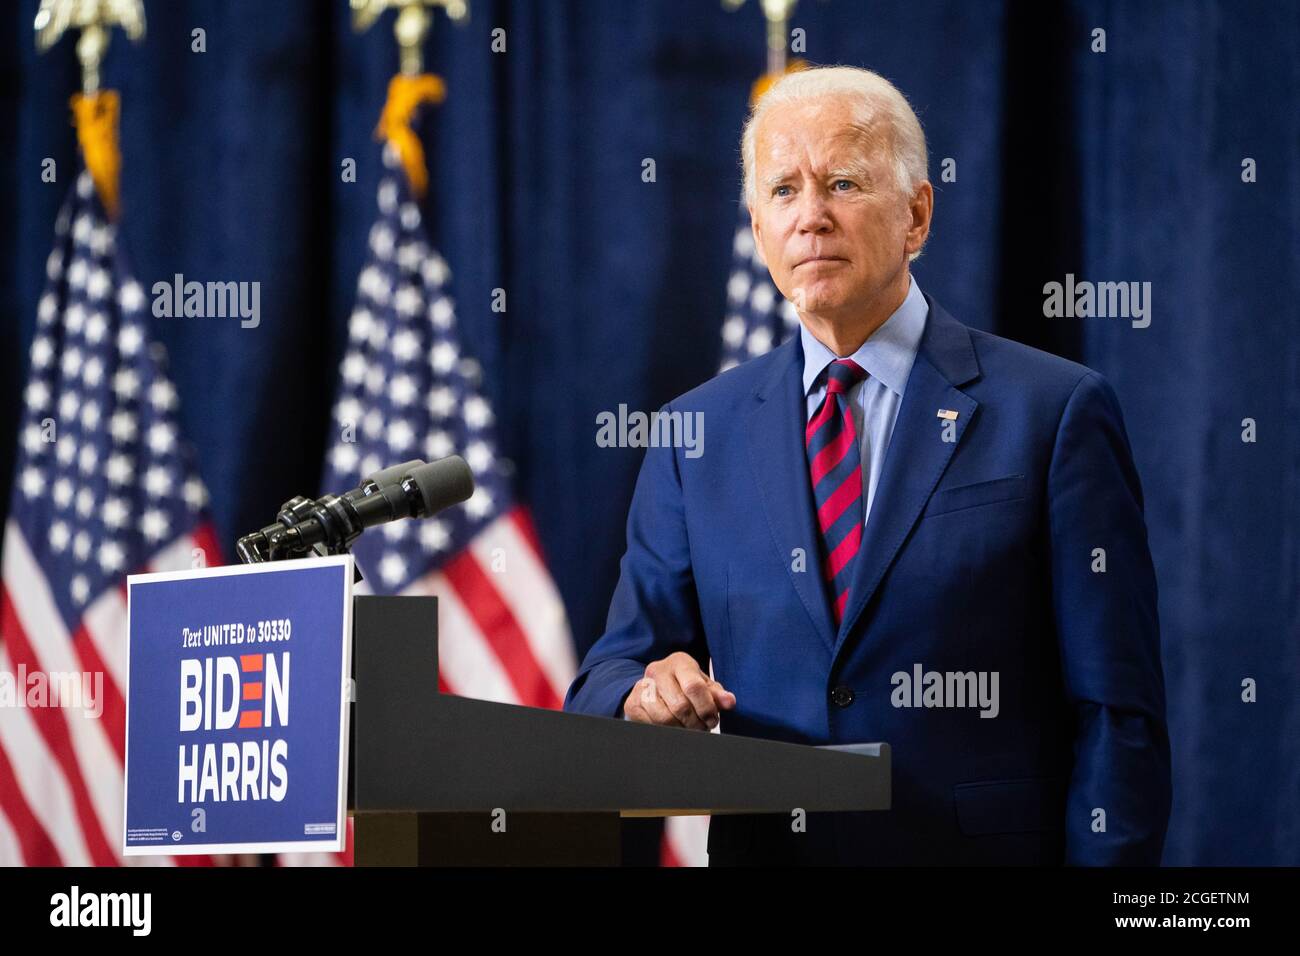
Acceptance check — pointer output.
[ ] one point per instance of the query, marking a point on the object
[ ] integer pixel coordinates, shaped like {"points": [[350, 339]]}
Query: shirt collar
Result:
{"points": [[887, 354]]}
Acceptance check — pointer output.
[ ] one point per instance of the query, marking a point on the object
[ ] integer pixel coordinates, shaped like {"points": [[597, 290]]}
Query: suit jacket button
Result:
{"points": [[842, 696]]}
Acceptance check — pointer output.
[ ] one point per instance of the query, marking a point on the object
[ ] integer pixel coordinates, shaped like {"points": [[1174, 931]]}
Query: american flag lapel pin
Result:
{"points": [[947, 413]]}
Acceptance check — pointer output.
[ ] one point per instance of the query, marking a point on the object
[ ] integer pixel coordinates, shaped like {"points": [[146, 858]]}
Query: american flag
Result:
{"points": [[758, 317], [104, 486], [408, 390]]}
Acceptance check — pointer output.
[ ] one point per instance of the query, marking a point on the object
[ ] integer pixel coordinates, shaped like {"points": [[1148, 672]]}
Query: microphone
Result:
{"points": [[299, 509], [335, 521], [255, 547]]}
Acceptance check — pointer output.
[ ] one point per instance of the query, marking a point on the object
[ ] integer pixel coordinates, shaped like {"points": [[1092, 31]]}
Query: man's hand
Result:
{"points": [[676, 693]]}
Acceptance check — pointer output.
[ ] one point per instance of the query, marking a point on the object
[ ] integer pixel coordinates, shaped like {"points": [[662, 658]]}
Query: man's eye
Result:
{"points": [[843, 182], [778, 191]]}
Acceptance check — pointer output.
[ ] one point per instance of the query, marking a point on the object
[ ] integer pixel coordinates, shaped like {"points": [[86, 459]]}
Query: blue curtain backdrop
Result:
{"points": [[1118, 166]]}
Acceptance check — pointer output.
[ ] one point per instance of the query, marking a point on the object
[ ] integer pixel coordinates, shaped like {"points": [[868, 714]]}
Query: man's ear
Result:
{"points": [[921, 208]]}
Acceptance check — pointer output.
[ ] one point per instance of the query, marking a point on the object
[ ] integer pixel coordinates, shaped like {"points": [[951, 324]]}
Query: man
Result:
{"points": [[905, 530]]}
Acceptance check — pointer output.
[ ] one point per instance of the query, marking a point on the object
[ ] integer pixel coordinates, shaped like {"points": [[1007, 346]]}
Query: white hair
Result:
{"points": [[873, 96]]}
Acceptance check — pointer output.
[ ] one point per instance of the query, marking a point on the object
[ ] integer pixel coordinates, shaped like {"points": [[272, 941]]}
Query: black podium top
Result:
{"points": [[420, 750]]}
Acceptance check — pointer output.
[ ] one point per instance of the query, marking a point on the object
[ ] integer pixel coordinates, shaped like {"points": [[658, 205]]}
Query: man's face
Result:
{"points": [[828, 217]]}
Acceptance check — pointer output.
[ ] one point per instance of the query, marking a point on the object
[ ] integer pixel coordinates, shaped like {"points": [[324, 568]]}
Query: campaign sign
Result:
{"points": [[237, 708]]}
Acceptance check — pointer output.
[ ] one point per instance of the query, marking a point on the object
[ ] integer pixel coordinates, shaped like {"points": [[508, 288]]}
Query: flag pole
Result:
{"points": [[414, 19], [411, 88], [94, 111], [95, 20], [777, 13]]}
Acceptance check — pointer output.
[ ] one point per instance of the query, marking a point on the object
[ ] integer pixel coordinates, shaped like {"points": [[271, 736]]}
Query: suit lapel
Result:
{"points": [[776, 449], [917, 453]]}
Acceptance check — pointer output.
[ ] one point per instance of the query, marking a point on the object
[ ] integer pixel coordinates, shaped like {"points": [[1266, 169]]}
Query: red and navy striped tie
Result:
{"points": [[836, 471]]}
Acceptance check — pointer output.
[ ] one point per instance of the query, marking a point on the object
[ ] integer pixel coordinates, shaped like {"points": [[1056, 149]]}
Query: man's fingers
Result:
{"points": [[695, 685], [654, 706], [725, 698], [679, 703], [678, 695]]}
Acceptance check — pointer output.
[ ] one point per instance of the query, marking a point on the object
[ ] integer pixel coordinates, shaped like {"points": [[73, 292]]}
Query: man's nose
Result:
{"points": [[814, 212]]}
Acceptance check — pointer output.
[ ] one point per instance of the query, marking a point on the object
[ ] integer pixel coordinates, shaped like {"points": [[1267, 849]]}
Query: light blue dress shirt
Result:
{"points": [[887, 357]]}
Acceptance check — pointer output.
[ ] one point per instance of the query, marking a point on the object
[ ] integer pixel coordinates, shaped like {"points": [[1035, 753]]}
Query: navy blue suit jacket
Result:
{"points": [[980, 555]]}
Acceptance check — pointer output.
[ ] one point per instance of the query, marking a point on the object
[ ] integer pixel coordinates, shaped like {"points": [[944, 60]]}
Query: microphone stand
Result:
{"points": [[269, 543]]}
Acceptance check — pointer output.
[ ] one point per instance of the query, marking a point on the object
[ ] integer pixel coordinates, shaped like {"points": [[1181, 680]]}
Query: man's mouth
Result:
{"points": [[812, 259]]}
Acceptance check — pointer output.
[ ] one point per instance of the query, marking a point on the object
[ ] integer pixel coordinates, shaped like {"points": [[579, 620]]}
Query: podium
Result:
{"points": [[440, 780]]}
